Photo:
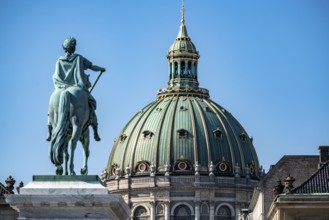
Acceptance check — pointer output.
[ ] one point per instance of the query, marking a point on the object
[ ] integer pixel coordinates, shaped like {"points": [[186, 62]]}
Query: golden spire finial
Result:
{"points": [[182, 11]]}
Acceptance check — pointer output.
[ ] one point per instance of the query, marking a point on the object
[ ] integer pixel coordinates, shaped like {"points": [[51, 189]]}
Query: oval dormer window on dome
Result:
{"points": [[142, 166], [182, 108], [224, 167], [183, 165], [252, 168], [113, 169]]}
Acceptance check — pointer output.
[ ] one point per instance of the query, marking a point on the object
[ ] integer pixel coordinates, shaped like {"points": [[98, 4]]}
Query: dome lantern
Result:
{"points": [[183, 60]]}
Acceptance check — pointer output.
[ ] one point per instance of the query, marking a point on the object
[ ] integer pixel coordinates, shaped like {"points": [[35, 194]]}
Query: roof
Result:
{"points": [[184, 128], [317, 183]]}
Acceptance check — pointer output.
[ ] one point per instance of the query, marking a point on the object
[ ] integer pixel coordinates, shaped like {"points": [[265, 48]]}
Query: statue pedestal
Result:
{"points": [[67, 197]]}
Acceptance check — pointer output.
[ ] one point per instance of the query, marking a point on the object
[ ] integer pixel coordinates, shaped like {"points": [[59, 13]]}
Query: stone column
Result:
{"points": [[186, 67], [152, 214], [167, 210], [178, 68], [197, 210], [212, 211]]}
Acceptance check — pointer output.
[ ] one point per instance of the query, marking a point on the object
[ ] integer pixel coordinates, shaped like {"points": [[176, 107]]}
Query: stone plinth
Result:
{"points": [[68, 197]]}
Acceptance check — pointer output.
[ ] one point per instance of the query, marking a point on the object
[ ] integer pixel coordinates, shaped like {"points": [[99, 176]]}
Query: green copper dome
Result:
{"points": [[183, 131]]}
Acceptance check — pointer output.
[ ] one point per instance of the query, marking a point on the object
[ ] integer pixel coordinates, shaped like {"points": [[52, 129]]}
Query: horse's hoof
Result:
{"points": [[97, 138], [59, 170], [72, 173], [84, 171]]}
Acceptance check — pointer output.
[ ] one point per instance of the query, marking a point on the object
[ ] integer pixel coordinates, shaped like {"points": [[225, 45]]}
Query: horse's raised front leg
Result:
{"points": [[85, 140]]}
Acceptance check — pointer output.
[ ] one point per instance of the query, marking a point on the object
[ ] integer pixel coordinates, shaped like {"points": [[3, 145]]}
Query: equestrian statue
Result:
{"points": [[71, 110]]}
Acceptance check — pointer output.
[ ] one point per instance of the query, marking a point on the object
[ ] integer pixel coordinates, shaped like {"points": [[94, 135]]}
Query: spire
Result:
{"points": [[182, 29], [182, 11]]}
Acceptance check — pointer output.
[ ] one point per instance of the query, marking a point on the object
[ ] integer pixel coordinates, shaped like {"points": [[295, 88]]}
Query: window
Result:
{"points": [[182, 108], [123, 137], [204, 209], [140, 213], [182, 133], [189, 71], [182, 212], [224, 213], [243, 137], [182, 69], [175, 68], [114, 167], [142, 166], [160, 210], [182, 165], [147, 134], [218, 134]]}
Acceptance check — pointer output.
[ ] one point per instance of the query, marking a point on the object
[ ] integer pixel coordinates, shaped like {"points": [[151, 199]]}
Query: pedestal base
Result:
{"points": [[67, 197]]}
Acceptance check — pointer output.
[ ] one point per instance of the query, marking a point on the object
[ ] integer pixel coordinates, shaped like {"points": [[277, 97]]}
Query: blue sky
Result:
{"points": [[264, 61]]}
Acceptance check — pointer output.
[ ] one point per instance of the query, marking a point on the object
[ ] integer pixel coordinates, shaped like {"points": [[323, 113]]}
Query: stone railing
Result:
{"points": [[190, 180], [182, 180], [3, 190]]}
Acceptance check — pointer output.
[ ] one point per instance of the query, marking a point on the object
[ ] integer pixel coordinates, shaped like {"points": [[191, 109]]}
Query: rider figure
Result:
{"points": [[70, 72]]}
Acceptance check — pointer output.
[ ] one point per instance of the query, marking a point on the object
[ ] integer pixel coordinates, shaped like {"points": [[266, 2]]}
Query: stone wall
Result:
{"points": [[299, 167], [6, 212]]}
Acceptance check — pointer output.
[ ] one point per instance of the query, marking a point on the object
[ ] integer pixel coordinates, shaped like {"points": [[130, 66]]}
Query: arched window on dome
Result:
{"points": [[182, 134], [243, 137], [175, 69], [189, 69], [218, 134], [195, 70], [170, 71], [182, 69], [122, 138], [147, 134], [140, 213]]}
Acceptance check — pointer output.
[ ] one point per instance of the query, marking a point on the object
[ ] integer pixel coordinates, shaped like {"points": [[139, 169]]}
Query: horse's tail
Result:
{"points": [[58, 140]]}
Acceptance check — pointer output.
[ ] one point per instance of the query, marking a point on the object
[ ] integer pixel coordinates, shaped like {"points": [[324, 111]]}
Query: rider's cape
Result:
{"points": [[70, 71]]}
